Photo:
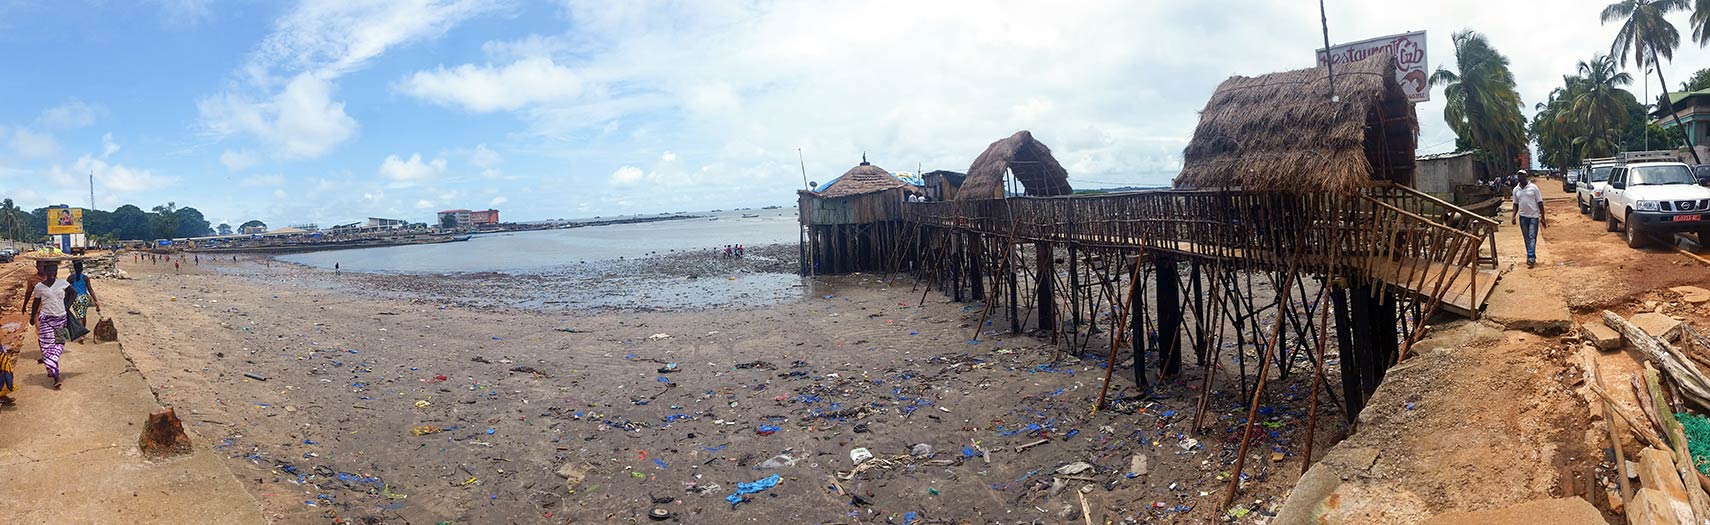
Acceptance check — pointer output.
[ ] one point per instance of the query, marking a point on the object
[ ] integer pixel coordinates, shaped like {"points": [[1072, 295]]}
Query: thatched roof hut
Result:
{"points": [[1281, 132], [1020, 154], [862, 179]]}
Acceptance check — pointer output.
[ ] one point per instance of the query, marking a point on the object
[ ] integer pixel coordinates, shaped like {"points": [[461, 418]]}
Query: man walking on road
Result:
{"points": [[1529, 214]]}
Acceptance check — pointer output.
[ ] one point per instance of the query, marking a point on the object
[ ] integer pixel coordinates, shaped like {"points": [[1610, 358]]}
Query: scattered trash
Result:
{"points": [[921, 450], [859, 455], [752, 487], [1188, 444], [1137, 465], [422, 403], [423, 430], [659, 514], [764, 430], [1074, 468], [656, 337], [257, 377], [779, 461]]}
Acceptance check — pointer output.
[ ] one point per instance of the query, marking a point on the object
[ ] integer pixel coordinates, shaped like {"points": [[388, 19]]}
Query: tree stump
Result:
{"points": [[105, 332], [163, 436]]}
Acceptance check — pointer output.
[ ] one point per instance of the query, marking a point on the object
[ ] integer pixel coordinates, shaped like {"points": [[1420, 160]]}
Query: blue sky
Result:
{"points": [[332, 111]]}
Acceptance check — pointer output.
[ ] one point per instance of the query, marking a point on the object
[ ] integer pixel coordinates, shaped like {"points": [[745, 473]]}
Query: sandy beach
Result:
{"points": [[386, 400]]}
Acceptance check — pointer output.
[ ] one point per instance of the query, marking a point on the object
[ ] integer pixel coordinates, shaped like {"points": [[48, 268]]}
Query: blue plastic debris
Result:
{"points": [[752, 487], [660, 462], [490, 431], [910, 516]]}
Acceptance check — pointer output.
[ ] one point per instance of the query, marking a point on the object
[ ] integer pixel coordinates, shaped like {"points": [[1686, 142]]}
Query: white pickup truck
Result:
{"points": [[1646, 198], [1592, 182]]}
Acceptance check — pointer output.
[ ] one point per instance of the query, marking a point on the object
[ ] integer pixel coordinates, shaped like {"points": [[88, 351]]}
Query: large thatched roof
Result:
{"points": [[1281, 132], [860, 180], [1028, 159]]}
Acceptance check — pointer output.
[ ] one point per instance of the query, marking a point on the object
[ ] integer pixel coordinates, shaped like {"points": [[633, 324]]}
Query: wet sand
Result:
{"points": [[659, 404]]}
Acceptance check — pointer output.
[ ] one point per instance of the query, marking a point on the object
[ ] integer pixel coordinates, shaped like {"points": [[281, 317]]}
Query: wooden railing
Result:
{"points": [[1390, 237]]}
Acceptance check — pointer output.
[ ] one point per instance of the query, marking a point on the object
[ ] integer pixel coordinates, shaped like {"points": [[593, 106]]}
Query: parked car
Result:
{"points": [[7, 254], [1594, 181], [1702, 171], [1656, 197]]}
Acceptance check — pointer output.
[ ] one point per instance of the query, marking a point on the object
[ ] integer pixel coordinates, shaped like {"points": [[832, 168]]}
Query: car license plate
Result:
{"points": [[1688, 218]]}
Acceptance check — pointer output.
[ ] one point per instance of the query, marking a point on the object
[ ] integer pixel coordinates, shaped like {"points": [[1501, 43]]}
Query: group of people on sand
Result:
{"points": [[733, 250], [53, 303]]}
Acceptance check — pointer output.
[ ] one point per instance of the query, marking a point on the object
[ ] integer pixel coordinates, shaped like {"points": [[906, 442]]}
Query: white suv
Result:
{"points": [[1593, 181], [1656, 197]]}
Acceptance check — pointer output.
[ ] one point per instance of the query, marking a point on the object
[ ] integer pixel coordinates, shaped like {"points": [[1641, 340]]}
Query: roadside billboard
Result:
{"points": [[62, 220], [1409, 52]]}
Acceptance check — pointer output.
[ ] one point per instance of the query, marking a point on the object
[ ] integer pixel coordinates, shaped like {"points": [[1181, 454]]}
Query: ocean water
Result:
{"points": [[547, 250]]}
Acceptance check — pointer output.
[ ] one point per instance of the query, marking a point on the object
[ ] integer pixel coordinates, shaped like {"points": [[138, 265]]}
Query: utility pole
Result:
{"points": [[91, 189], [1329, 63]]}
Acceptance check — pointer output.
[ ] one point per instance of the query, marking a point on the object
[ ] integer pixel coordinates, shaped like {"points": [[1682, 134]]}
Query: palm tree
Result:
{"points": [[1647, 36], [1701, 22], [1481, 105], [1601, 105], [9, 224]]}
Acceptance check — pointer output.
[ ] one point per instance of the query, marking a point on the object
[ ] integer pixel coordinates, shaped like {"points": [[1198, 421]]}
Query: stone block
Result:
{"points": [[1657, 473], [1568, 511], [1651, 507], [1692, 294], [1604, 337], [1658, 325]]}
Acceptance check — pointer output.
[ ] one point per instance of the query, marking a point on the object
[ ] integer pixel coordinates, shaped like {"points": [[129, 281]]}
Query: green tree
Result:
{"points": [[12, 220], [223, 229], [447, 221], [1699, 81], [132, 223], [1481, 104], [163, 223], [1648, 37], [190, 223], [1601, 105]]}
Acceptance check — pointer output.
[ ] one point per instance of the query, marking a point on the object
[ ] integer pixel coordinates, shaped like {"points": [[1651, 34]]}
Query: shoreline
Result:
{"points": [[521, 394]]}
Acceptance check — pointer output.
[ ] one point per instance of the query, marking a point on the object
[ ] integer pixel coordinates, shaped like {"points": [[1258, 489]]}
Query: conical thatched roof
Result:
{"points": [[1028, 159], [859, 180], [1280, 132]]}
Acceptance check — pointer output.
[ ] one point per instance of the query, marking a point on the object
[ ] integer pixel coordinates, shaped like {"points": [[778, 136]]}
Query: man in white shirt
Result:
{"points": [[1529, 214]]}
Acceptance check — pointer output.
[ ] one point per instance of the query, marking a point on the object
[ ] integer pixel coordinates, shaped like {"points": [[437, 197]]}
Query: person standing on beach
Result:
{"points": [[1529, 214], [85, 293], [48, 304]]}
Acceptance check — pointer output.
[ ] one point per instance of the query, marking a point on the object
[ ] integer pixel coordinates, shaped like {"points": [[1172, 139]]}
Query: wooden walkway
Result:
{"points": [[1390, 237]]}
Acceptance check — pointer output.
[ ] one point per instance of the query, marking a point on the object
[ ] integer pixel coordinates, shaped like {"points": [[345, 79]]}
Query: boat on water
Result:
{"points": [[747, 216], [316, 246]]}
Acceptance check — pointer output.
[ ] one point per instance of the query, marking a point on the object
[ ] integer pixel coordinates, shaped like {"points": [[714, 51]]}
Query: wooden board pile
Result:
{"points": [[1672, 490]]}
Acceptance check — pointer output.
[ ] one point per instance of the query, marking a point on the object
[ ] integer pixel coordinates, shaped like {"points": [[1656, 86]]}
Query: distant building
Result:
{"points": [[377, 222], [455, 219], [1693, 108], [252, 230], [1442, 174], [488, 217]]}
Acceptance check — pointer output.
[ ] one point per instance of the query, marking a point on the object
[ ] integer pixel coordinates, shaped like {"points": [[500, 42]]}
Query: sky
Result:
{"points": [[331, 111]]}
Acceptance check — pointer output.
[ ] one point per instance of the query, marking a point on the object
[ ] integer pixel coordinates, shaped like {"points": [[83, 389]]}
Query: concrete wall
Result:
{"points": [[1439, 177]]}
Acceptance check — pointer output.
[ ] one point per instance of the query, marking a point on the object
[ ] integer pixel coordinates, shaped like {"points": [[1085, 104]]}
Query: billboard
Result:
{"points": [[1409, 52], [62, 220]]}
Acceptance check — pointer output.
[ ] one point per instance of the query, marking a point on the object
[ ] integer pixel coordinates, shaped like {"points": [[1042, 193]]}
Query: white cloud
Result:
{"points": [[280, 194], [282, 95], [668, 156], [238, 160], [497, 201], [485, 157], [108, 146], [301, 122], [70, 115], [111, 178], [30, 144], [412, 170], [424, 204], [627, 176], [258, 181], [484, 89]]}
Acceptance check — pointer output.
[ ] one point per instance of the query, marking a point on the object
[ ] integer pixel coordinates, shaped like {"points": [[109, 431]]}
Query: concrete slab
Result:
{"points": [[1658, 325], [1567, 511], [70, 455], [1527, 299], [1604, 337], [1692, 294]]}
